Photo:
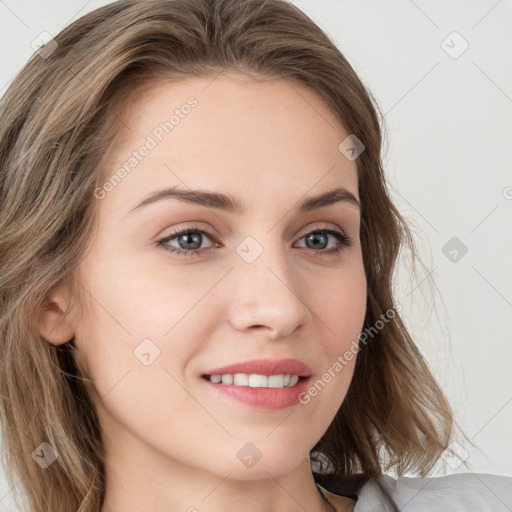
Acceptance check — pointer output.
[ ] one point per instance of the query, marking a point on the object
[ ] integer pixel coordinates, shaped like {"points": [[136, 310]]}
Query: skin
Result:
{"points": [[172, 443]]}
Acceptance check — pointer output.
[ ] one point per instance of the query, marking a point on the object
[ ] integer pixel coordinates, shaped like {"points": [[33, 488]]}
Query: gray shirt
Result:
{"points": [[464, 492]]}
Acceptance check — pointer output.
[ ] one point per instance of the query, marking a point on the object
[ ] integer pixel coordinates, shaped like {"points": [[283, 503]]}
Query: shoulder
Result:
{"points": [[465, 492]]}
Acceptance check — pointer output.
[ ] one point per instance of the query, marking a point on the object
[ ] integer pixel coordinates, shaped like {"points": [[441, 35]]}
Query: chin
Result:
{"points": [[254, 463]]}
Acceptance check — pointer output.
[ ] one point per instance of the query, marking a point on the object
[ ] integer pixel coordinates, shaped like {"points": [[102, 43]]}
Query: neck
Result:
{"points": [[192, 491], [140, 479]]}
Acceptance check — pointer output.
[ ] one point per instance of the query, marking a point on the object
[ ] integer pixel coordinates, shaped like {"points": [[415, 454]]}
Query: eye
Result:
{"points": [[189, 241], [188, 245], [320, 237]]}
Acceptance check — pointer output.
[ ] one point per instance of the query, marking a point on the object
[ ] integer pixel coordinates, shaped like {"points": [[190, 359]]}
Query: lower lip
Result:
{"points": [[268, 399]]}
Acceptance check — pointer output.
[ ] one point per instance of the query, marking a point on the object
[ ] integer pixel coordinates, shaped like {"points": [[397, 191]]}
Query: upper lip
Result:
{"points": [[265, 367]]}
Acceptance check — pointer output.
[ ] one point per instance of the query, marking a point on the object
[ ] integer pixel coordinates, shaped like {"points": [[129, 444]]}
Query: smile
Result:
{"points": [[255, 380]]}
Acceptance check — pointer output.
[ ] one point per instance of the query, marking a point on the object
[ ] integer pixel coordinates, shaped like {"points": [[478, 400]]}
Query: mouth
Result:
{"points": [[254, 380], [265, 393], [264, 384]]}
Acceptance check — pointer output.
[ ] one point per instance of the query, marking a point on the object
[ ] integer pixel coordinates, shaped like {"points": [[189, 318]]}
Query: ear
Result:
{"points": [[51, 322]]}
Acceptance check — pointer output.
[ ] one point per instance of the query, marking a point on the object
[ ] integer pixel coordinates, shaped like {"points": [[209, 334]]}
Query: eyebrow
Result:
{"points": [[230, 204]]}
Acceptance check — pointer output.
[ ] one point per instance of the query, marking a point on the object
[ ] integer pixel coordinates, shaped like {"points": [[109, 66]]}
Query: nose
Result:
{"points": [[267, 297]]}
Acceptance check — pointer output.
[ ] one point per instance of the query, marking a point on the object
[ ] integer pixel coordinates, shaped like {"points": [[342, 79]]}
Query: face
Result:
{"points": [[266, 281]]}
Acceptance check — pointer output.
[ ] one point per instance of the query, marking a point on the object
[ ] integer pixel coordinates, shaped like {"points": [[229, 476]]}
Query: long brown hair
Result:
{"points": [[59, 120]]}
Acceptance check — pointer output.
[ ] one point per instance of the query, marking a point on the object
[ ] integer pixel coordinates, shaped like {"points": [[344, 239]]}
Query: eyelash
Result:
{"points": [[344, 240]]}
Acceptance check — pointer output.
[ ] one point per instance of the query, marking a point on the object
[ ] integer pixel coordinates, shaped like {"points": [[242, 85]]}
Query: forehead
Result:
{"points": [[230, 132]]}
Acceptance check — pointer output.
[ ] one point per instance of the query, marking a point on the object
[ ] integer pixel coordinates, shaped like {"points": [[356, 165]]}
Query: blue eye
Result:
{"points": [[192, 236], [192, 240], [320, 236]]}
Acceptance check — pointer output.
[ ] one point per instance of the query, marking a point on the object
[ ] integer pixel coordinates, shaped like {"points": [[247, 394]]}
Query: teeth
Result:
{"points": [[227, 379], [293, 380], [275, 381], [240, 379], [258, 381], [255, 380]]}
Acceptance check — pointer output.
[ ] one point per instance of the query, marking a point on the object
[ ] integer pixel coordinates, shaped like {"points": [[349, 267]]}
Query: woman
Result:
{"points": [[197, 258]]}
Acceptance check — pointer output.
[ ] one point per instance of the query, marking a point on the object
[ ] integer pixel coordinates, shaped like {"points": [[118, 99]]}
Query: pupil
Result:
{"points": [[315, 236]]}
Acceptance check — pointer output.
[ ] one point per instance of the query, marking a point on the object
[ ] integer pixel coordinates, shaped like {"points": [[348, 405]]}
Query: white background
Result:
{"points": [[448, 158]]}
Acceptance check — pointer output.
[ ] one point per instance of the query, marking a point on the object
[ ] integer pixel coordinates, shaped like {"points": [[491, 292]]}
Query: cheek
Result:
{"points": [[146, 323], [341, 309], [139, 300], [341, 305], [136, 369]]}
